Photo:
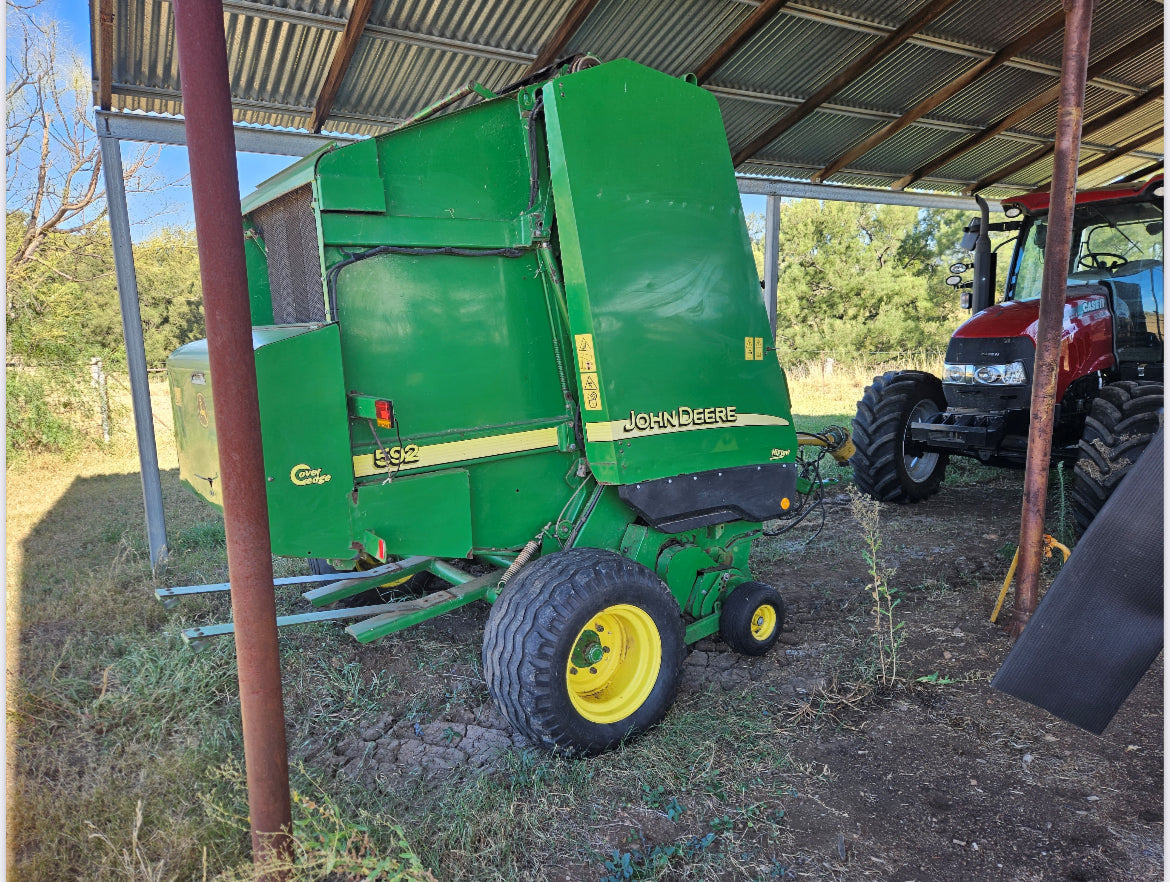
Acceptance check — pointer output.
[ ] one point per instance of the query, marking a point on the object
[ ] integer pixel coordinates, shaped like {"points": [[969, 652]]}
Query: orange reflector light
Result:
{"points": [[785, 503]]}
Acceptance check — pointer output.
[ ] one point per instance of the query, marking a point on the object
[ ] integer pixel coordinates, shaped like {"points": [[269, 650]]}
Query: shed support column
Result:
{"points": [[771, 259], [207, 111], [156, 528], [1052, 294]]}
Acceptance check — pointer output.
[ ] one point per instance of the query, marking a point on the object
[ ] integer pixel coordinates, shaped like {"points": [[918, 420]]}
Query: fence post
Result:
{"points": [[98, 378]]}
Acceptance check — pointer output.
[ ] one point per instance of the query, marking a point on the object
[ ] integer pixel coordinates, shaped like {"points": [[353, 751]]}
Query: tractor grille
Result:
{"points": [[289, 231]]}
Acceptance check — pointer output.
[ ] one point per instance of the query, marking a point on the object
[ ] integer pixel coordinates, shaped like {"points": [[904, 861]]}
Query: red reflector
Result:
{"points": [[383, 412]]}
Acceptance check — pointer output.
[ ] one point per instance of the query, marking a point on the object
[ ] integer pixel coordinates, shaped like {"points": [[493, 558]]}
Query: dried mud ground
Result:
{"points": [[791, 766]]}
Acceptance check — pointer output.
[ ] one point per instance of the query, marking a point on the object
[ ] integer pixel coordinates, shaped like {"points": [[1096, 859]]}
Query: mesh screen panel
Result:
{"points": [[289, 232]]}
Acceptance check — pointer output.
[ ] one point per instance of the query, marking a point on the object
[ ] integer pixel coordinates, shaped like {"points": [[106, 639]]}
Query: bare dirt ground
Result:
{"points": [[944, 780]]}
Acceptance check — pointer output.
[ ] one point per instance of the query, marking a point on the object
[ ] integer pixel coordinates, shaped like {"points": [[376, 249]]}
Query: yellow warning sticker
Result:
{"points": [[749, 348], [590, 392], [759, 347], [586, 360]]}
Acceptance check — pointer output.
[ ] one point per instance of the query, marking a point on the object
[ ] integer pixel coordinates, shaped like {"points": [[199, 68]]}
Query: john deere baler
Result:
{"points": [[527, 334]]}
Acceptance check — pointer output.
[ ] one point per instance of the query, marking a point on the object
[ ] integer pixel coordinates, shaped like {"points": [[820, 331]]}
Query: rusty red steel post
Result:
{"points": [[1052, 294], [199, 37]]}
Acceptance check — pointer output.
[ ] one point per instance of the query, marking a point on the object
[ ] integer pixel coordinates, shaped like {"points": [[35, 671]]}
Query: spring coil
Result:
{"points": [[525, 555]]}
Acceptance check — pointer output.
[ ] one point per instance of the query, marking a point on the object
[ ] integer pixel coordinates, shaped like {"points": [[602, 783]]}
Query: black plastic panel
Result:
{"points": [[687, 502]]}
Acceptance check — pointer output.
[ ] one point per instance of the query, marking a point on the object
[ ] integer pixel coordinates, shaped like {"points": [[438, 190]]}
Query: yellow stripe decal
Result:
{"points": [[411, 456], [616, 430]]}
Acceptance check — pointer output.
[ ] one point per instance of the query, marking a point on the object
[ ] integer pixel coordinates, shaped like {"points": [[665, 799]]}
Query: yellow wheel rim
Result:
{"points": [[763, 621], [614, 663]]}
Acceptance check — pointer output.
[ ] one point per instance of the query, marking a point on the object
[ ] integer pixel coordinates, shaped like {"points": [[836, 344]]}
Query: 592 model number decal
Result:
{"points": [[395, 456]]}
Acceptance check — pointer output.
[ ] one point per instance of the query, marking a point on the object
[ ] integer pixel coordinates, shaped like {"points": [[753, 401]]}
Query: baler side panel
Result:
{"points": [[460, 345], [664, 301], [306, 445]]}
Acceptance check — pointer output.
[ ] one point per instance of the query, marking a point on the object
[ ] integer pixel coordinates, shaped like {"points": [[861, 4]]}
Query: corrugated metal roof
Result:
{"points": [[413, 52]]}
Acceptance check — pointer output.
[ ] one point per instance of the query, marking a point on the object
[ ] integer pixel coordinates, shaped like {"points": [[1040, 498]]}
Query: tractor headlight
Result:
{"points": [[986, 374]]}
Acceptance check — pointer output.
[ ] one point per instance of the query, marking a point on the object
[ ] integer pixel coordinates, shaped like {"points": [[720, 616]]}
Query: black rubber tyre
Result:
{"points": [[752, 618], [887, 465], [1124, 417], [548, 616]]}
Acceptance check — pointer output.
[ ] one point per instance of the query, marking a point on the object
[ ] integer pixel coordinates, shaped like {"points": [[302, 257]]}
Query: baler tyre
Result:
{"points": [[752, 618], [1122, 420], [887, 465], [583, 649]]}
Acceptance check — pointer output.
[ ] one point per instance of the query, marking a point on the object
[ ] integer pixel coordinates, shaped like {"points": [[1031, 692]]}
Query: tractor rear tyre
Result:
{"points": [[887, 465], [582, 649], [752, 618], [1124, 417]]}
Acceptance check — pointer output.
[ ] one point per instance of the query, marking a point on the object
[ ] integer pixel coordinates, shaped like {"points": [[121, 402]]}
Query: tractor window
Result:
{"points": [[1030, 266], [1110, 242]]}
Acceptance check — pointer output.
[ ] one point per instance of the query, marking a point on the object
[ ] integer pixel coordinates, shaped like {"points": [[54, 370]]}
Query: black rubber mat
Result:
{"points": [[1099, 627]]}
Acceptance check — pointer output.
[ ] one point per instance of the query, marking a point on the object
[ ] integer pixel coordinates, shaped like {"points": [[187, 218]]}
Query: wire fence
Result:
{"points": [[66, 405]]}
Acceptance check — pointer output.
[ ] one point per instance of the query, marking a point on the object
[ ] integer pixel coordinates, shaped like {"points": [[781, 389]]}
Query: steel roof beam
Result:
{"points": [[249, 139], [1121, 150], [833, 192], [569, 26], [1142, 172], [378, 32], [359, 14], [942, 44], [105, 53], [860, 65], [1135, 47], [1034, 35], [1100, 122], [747, 29]]}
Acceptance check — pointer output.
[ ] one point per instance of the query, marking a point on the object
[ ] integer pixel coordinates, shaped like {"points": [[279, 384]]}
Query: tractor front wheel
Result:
{"points": [[1124, 417], [582, 649], [887, 464]]}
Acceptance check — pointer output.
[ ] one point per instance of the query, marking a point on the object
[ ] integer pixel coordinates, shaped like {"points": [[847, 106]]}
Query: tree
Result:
{"points": [[54, 168], [860, 278]]}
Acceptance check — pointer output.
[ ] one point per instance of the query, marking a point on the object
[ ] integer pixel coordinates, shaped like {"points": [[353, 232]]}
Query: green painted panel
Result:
{"points": [[456, 343], [349, 180], [658, 270], [470, 164], [194, 413], [426, 515], [259, 288], [306, 445], [286, 180], [512, 499], [302, 425]]}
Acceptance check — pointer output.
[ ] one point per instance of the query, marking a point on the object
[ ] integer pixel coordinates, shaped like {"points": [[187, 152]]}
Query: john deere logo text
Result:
{"points": [[302, 475], [675, 419]]}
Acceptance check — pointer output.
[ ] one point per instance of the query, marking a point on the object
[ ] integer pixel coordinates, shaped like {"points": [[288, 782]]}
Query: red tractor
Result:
{"points": [[1109, 388]]}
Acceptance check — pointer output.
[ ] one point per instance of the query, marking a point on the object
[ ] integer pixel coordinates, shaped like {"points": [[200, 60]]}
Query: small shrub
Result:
{"points": [[35, 421]]}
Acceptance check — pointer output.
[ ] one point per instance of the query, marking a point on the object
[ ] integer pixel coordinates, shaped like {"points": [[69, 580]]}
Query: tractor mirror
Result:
{"points": [[970, 235], [954, 281], [960, 267]]}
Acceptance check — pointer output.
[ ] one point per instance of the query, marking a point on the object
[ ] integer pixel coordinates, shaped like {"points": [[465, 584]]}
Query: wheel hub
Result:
{"points": [[614, 664]]}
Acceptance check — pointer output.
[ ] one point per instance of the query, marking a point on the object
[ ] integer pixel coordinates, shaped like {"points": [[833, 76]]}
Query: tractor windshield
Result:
{"points": [[1111, 242]]}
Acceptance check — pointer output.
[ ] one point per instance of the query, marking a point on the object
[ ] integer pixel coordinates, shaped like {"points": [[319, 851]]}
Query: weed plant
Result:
{"points": [[886, 635]]}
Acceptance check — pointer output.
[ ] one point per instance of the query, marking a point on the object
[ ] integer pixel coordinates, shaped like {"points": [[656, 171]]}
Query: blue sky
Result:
{"points": [[173, 205]]}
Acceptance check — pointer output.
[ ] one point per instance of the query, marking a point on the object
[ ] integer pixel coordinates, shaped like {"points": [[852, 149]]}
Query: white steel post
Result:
{"points": [[771, 258], [156, 529]]}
